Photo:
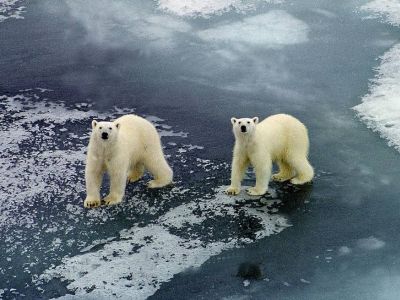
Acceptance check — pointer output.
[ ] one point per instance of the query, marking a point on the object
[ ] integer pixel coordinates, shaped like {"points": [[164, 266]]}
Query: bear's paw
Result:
{"points": [[232, 191], [113, 199], [155, 184], [91, 202], [253, 191], [280, 177]]}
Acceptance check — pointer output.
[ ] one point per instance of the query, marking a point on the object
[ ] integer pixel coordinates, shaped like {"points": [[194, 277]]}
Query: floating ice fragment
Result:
{"points": [[344, 250], [370, 243]]}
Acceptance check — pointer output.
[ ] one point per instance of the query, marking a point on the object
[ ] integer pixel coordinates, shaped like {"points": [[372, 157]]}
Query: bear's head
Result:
{"points": [[106, 132], [244, 126]]}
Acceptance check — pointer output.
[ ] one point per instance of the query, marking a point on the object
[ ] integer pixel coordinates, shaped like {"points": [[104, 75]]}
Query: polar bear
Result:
{"points": [[124, 149], [279, 138]]}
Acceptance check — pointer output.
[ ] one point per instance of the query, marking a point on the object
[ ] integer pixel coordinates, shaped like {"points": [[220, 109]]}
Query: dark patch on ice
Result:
{"points": [[248, 270]]}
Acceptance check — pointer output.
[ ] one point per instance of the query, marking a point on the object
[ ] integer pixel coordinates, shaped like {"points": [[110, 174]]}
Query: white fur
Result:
{"points": [[133, 145], [279, 138]]}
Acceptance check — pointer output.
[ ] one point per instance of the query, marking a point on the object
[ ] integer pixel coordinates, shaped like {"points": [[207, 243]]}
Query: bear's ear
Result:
{"points": [[118, 125], [233, 121], [94, 123], [255, 120]]}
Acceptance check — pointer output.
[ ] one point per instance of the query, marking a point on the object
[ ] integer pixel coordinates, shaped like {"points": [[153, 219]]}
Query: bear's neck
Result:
{"points": [[244, 140], [102, 149]]}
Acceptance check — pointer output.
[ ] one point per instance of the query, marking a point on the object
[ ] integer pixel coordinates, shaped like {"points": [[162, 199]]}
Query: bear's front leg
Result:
{"points": [[117, 186], [263, 167], [93, 178], [239, 165]]}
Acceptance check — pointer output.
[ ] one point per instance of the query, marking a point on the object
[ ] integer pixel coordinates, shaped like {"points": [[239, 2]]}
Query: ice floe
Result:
{"points": [[370, 243]]}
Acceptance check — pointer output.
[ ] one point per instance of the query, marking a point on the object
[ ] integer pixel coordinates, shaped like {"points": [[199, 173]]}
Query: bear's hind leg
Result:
{"points": [[304, 170], [285, 172], [136, 172], [161, 171]]}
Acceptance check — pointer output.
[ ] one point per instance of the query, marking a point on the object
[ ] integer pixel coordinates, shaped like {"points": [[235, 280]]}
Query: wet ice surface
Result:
{"points": [[189, 68], [165, 239]]}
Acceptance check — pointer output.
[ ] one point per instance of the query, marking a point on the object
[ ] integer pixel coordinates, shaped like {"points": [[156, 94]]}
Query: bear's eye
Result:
{"points": [[239, 122], [248, 122], [110, 128], [100, 127]]}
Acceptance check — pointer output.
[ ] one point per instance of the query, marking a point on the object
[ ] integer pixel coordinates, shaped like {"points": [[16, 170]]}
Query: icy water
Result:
{"points": [[189, 69]]}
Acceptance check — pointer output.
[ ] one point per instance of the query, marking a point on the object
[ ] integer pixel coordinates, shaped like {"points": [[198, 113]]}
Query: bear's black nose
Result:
{"points": [[243, 128], [104, 135]]}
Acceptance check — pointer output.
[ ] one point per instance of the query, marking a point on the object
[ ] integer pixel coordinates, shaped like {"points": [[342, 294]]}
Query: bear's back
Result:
{"points": [[136, 129], [282, 131], [283, 122]]}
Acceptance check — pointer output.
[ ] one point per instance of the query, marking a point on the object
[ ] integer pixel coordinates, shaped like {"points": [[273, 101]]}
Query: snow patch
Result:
{"points": [[11, 9], [386, 9], [380, 108], [274, 29], [207, 8]]}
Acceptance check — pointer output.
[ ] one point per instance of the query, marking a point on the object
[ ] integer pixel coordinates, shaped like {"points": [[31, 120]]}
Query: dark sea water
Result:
{"points": [[67, 62]]}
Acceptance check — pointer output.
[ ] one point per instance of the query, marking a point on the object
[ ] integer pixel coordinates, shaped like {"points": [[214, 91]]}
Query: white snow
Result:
{"points": [[387, 9], [274, 29], [207, 8], [26, 174], [11, 9], [380, 108]]}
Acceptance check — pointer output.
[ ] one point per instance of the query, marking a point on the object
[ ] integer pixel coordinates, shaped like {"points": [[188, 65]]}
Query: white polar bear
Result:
{"points": [[124, 148], [279, 138]]}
